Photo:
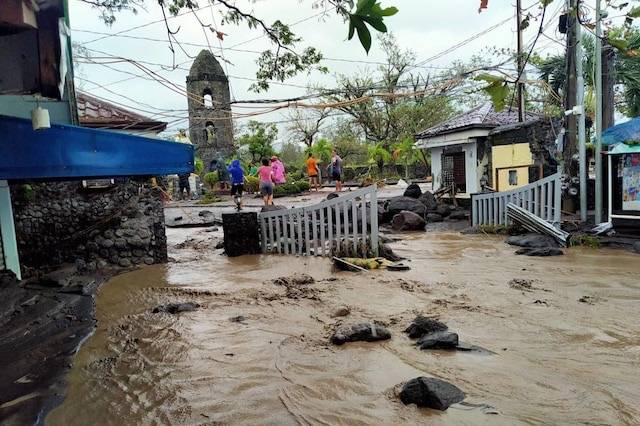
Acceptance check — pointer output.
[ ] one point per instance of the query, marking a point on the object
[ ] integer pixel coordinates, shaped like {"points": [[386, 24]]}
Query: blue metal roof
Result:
{"points": [[65, 151]]}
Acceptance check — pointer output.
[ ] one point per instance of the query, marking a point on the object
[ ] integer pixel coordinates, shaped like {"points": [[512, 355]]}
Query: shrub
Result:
{"points": [[302, 185], [211, 179], [251, 184]]}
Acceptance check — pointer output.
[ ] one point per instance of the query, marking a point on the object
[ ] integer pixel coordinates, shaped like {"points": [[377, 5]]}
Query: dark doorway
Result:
{"points": [[453, 171]]}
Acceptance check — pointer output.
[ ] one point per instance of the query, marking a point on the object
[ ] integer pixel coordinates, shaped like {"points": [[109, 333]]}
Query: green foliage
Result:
{"points": [[378, 155], [209, 198], [210, 179], [290, 188], [497, 88], [584, 240], [198, 165], [322, 150], [27, 192], [251, 184], [368, 12], [257, 141]]}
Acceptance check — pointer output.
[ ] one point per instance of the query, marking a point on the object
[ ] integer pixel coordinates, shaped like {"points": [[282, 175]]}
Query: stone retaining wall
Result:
{"points": [[59, 222]]}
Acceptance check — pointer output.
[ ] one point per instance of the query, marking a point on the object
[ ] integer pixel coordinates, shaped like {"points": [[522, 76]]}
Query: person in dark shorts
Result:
{"points": [[336, 170], [237, 182], [265, 173], [183, 185]]}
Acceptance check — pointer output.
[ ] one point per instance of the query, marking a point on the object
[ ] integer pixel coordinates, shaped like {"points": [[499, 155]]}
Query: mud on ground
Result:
{"points": [[257, 351]]}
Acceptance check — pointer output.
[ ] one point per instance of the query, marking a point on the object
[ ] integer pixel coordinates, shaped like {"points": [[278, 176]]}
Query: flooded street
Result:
{"points": [[257, 353]]}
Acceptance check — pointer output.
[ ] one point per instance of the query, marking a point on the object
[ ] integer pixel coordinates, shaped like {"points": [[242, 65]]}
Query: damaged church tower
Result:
{"points": [[210, 125]]}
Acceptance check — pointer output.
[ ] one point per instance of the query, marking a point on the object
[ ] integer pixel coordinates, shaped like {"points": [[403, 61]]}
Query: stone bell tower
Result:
{"points": [[210, 125]]}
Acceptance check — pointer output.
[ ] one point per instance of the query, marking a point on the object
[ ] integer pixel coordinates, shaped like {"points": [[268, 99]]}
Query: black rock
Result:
{"points": [[422, 325], [431, 392], [205, 213], [429, 201], [365, 332], [413, 191], [532, 241], [444, 210], [434, 217], [636, 247], [175, 308], [332, 196], [408, 221], [400, 204], [388, 253], [459, 215], [540, 252], [438, 340]]}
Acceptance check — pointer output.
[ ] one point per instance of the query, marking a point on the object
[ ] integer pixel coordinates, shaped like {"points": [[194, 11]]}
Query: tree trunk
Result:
{"points": [[571, 122], [608, 83]]}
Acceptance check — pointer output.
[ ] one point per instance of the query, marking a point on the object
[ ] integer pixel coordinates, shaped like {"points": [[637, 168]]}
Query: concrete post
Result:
{"points": [[8, 231], [241, 233]]}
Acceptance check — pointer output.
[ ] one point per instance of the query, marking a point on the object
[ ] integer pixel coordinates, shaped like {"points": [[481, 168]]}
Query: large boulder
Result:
{"points": [[532, 241], [431, 392], [413, 191], [400, 204], [366, 332], [540, 252], [444, 210], [429, 201], [636, 247], [439, 340], [408, 221]]}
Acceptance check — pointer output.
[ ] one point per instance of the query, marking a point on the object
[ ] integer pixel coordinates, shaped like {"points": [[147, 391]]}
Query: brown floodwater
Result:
{"points": [[555, 360]]}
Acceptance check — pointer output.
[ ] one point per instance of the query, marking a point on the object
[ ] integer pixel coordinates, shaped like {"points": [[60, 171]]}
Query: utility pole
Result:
{"points": [[579, 111], [598, 78], [608, 83], [571, 124], [520, 83]]}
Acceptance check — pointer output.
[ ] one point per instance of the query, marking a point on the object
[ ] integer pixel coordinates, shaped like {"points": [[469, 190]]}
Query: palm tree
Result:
{"points": [[627, 66], [378, 155], [405, 152]]}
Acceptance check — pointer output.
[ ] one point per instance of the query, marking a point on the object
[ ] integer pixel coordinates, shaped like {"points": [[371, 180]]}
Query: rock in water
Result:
{"points": [[408, 221], [413, 191], [364, 332], [444, 210], [400, 204], [636, 247], [434, 217], [438, 340], [540, 252], [422, 325], [532, 241], [176, 308], [430, 392], [429, 201], [459, 215]]}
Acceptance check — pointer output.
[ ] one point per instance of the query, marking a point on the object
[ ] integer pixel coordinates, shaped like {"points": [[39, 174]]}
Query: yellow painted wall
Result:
{"points": [[511, 157]]}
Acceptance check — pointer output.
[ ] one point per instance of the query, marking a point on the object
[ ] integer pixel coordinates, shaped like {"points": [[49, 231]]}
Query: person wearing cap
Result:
{"points": [[279, 173]]}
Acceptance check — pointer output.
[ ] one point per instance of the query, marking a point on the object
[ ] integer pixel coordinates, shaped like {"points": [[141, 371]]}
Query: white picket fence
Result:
{"points": [[319, 229], [542, 198]]}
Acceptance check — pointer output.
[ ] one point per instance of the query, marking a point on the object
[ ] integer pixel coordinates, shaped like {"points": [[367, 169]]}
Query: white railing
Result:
{"points": [[542, 198], [348, 223]]}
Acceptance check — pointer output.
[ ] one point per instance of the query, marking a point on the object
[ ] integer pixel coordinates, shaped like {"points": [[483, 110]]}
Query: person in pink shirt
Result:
{"points": [[265, 173], [279, 173]]}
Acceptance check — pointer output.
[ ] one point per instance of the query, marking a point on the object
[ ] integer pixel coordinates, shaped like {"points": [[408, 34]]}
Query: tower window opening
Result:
{"points": [[209, 132], [207, 99]]}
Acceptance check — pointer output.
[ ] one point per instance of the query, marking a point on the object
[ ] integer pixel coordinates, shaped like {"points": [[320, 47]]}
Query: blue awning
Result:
{"points": [[65, 151]]}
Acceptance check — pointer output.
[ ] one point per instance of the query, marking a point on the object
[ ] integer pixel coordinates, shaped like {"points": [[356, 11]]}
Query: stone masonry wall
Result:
{"points": [[58, 222]]}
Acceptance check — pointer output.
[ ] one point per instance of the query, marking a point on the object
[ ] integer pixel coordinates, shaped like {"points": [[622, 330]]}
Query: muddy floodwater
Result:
{"points": [[565, 339]]}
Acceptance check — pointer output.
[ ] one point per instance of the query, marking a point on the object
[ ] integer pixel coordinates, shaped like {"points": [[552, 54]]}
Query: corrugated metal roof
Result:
{"points": [[99, 114], [483, 116]]}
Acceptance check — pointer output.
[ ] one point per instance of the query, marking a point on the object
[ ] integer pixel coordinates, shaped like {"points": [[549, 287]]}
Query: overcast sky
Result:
{"points": [[426, 27]]}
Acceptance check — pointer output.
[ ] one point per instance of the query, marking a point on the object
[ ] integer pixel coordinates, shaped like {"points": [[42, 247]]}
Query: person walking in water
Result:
{"points": [[265, 173], [279, 173], [237, 182], [312, 172], [336, 170]]}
